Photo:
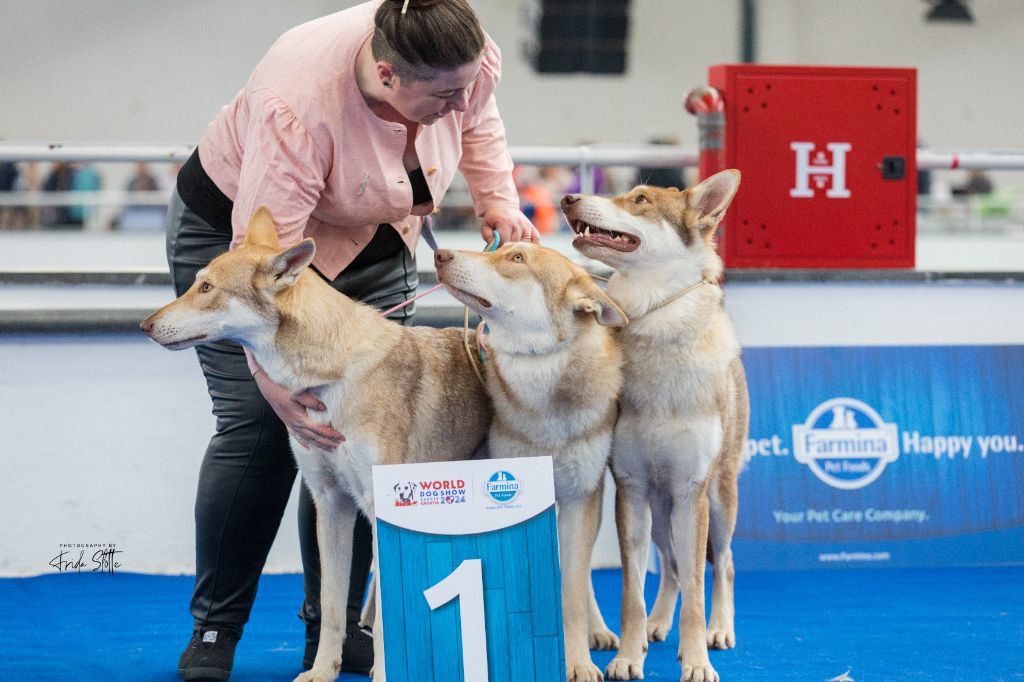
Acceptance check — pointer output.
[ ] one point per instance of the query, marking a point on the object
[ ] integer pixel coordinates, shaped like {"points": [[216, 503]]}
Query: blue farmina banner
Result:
{"points": [[883, 456]]}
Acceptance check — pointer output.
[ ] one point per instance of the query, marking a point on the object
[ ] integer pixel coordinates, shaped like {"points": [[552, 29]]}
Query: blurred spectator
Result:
{"points": [[983, 199], [142, 217], [924, 182], [924, 177], [661, 177], [8, 176], [142, 179], [59, 179], [84, 179], [977, 183], [540, 191], [8, 182], [26, 217], [575, 186]]}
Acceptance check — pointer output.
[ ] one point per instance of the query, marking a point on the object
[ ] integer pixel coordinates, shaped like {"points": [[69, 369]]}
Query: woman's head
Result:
{"points": [[431, 35], [427, 56]]}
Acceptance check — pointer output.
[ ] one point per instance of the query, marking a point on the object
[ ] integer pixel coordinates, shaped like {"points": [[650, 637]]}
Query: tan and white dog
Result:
{"points": [[553, 373], [398, 394], [684, 410]]}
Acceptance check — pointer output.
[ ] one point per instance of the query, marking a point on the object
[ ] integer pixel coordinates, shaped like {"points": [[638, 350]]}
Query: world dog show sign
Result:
{"points": [[469, 581]]}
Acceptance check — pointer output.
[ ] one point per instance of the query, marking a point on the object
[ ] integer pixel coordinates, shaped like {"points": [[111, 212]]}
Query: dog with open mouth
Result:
{"points": [[553, 372], [678, 443]]}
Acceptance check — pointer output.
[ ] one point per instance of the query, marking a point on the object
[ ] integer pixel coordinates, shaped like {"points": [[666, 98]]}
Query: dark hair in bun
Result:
{"points": [[430, 35]]}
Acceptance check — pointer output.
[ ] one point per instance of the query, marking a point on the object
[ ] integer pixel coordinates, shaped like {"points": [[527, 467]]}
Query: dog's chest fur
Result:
{"points": [[560, 404], [676, 381], [350, 467]]}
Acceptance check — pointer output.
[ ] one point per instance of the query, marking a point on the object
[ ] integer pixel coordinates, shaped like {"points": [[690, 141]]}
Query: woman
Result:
{"points": [[349, 130]]}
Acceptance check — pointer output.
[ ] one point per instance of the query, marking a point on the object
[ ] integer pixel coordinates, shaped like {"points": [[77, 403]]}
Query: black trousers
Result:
{"points": [[248, 470]]}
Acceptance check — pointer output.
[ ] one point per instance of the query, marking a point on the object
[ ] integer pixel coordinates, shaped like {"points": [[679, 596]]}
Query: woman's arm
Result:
{"points": [[486, 163]]}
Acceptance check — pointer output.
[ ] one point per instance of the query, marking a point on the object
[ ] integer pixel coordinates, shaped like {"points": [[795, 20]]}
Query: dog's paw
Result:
{"points": [[721, 638], [315, 675], [657, 631], [583, 671], [702, 672], [603, 639], [624, 669]]}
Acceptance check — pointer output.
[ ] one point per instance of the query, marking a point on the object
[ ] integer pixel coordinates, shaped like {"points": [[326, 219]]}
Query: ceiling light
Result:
{"points": [[949, 10]]}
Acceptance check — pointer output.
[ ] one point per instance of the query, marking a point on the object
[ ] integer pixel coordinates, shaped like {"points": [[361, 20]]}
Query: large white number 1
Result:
{"points": [[467, 583]]}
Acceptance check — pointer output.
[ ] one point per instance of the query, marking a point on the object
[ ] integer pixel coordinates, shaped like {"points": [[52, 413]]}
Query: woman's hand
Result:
{"points": [[292, 409], [510, 223]]}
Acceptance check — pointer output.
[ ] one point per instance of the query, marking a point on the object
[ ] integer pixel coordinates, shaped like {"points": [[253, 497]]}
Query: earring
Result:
{"points": [[387, 84]]}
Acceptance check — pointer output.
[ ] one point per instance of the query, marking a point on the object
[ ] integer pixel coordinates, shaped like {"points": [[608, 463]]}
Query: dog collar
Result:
{"points": [[673, 298]]}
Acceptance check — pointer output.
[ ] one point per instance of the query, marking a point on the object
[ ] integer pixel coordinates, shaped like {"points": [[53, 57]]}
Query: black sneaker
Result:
{"points": [[356, 653], [210, 654]]}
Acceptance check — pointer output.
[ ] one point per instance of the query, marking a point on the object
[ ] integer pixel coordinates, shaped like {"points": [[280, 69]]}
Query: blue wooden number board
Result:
{"points": [[469, 580]]}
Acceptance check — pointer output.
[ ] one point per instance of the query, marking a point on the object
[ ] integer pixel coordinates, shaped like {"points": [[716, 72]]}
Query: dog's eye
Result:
{"points": [[640, 199], [205, 288], [518, 258]]}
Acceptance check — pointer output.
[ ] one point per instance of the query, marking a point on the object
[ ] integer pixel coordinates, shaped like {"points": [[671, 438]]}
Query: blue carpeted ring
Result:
{"points": [[896, 624]]}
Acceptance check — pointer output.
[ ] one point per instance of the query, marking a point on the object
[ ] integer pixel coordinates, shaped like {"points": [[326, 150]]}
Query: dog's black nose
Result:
{"points": [[443, 255], [570, 199]]}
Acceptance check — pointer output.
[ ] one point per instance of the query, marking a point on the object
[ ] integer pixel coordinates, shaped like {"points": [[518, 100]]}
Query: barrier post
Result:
{"points": [[706, 103]]}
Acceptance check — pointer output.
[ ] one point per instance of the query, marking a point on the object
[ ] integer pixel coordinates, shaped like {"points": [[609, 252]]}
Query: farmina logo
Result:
{"points": [[845, 443], [502, 487]]}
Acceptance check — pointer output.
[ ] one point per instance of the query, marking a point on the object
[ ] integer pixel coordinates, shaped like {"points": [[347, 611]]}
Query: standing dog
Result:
{"points": [[399, 394], [684, 410], [553, 372]]}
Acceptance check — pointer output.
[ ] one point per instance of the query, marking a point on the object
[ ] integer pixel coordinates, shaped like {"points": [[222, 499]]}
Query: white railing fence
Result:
{"points": [[668, 156], [98, 206]]}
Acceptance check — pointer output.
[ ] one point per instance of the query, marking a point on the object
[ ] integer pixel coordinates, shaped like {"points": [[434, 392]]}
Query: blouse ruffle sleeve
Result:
{"points": [[282, 169]]}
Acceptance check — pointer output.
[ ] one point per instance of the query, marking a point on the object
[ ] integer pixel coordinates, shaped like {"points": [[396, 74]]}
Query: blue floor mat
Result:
{"points": [[898, 624]]}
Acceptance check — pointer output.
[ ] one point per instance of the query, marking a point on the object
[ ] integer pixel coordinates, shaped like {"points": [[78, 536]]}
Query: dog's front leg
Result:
{"points": [[659, 623], [723, 496], [633, 522], [335, 525], [600, 636], [577, 531], [689, 543]]}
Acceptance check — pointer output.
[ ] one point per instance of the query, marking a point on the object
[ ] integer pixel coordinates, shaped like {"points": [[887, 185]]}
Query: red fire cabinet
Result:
{"points": [[828, 157]]}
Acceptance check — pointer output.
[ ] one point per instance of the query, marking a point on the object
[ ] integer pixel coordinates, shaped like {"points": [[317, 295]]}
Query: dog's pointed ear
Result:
{"points": [[286, 266], [591, 299], [261, 231], [707, 201]]}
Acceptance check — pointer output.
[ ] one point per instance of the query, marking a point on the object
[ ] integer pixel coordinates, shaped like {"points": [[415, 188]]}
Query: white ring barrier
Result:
{"points": [[669, 156]]}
